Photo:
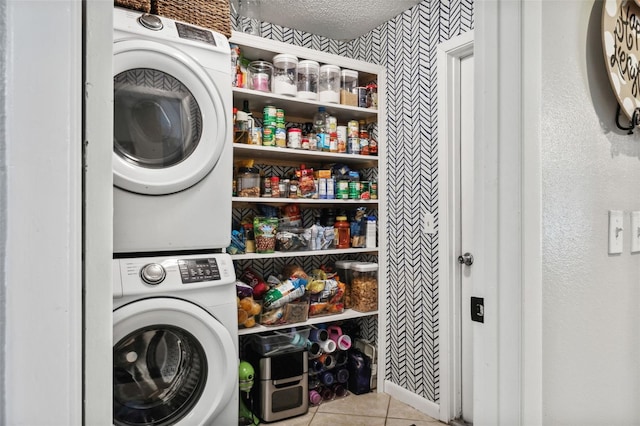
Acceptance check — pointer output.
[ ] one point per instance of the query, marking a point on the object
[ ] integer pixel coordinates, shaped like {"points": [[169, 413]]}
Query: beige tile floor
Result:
{"points": [[371, 409]]}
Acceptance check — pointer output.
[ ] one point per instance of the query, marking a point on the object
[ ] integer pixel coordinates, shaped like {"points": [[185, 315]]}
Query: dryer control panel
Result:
{"points": [[151, 275]]}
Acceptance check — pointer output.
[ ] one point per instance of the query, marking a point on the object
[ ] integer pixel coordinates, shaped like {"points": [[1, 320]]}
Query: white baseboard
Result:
{"points": [[421, 404]]}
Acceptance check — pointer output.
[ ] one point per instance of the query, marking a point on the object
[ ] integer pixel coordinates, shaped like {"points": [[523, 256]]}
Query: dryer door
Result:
{"points": [[170, 125], [173, 363]]}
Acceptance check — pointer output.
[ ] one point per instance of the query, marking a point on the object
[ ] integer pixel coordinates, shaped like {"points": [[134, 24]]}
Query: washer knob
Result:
{"points": [[153, 273], [150, 21]]}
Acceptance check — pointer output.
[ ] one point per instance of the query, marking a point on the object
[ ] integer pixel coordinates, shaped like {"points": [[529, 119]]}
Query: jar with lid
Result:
{"points": [[285, 77], [260, 75], [248, 182], [308, 72], [349, 87], [329, 84], [343, 268], [364, 286], [342, 232]]}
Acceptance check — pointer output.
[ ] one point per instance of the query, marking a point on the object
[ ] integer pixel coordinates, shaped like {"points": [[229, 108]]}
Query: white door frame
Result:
{"points": [[449, 54]]}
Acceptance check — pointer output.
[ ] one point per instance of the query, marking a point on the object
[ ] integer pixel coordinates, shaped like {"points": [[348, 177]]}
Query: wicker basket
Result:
{"points": [[141, 5], [212, 14]]}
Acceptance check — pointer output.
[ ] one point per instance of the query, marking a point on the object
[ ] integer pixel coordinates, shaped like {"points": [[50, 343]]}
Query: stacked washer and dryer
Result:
{"points": [[175, 345]]}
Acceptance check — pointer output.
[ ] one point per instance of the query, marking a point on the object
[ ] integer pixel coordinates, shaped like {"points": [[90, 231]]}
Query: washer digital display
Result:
{"points": [[192, 33], [198, 270]]}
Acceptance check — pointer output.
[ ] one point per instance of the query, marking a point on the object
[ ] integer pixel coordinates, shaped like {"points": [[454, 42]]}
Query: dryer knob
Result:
{"points": [[153, 273], [150, 21]]}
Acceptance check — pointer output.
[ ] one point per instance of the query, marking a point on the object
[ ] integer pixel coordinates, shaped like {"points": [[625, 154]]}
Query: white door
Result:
{"points": [[466, 208]]}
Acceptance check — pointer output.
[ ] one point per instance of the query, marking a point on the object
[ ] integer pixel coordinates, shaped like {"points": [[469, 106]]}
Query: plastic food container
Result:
{"points": [[260, 75], [285, 77], [343, 268], [364, 287], [349, 87], [248, 182], [272, 342], [329, 84], [308, 72]]}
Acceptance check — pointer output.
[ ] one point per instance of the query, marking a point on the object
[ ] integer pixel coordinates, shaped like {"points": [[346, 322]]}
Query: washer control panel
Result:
{"points": [[151, 275]]}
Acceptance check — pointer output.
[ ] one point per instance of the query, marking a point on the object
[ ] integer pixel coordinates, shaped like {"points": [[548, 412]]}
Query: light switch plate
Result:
{"points": [[635, 232], [616, 231], [429, 223]]}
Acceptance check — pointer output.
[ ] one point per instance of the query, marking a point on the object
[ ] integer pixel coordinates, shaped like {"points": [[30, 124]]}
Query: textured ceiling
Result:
{"points": [[336, 19]]}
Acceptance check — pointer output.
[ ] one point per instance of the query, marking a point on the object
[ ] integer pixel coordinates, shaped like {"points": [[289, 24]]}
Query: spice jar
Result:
{"points": [[329, 85], [342, 232], [364, 286], [285, 77], [307, 84], [260, 75], [248, 182]]}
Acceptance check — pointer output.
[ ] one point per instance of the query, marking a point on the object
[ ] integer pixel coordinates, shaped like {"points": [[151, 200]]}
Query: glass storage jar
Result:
{"points": [[248, 182], [349, 87], [308, 72], [260, 75], [329, 84], [285, 75], [364, 286]]}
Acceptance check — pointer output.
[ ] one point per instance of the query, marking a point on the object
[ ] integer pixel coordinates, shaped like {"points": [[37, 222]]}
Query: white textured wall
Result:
{"points": [[591, 301]]}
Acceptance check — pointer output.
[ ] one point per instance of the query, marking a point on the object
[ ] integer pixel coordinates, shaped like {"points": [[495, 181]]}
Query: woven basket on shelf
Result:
{"points": [[212, 14], [141, 5]]}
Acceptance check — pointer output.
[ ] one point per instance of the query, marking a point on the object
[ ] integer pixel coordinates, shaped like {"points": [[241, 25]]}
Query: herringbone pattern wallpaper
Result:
{"points": [[406, 45]]}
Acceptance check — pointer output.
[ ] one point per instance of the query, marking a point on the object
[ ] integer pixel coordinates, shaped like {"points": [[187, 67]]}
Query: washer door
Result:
{"points": [[173, 363], [169, 121]]}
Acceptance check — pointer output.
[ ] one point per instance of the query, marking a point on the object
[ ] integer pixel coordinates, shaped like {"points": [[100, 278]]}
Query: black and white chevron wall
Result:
{"points": [[406, 46]]}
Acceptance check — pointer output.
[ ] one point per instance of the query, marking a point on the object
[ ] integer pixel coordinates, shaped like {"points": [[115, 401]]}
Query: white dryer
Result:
{"points": [[172, 156], [175, 345]]}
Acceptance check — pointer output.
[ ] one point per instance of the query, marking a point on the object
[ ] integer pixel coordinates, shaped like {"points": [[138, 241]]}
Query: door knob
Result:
{"points": [[466, 258]]}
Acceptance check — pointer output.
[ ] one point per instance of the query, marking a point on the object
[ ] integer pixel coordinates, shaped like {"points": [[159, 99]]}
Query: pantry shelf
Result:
{"points": [[281, 254], [304, 109], [346, 315], [296, 156], [247, 201]]}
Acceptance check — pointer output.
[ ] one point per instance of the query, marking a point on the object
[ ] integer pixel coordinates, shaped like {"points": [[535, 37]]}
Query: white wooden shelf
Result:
{"points": [[298, 107], [347, 314], [297, 156], [281, 254]]}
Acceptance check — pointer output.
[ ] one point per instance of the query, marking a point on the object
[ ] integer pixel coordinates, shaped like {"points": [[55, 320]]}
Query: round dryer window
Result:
{"points": [[157, 121], [173, 363], [170, 124]]}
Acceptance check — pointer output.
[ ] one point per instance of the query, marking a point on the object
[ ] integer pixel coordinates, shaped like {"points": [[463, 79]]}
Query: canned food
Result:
{"points": [[294, 138], [268, 136], [353, 145], [281, 137], [374, 189], [256, 136], [279, 116], [353, 129], [342, 190], [269, 116], [354, 190], [365, 190]]}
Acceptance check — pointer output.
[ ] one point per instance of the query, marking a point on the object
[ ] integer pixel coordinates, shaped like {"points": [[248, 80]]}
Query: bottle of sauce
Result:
{"points": [[364, 138], [342, 232]]}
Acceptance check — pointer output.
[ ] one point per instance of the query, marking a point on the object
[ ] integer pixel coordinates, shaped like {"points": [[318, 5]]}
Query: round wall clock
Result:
{"points": [[621, 47]]}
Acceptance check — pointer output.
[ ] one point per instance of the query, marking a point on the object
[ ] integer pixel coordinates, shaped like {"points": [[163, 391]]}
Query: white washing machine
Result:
{"points": [[175, 345], [173, 129]]}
